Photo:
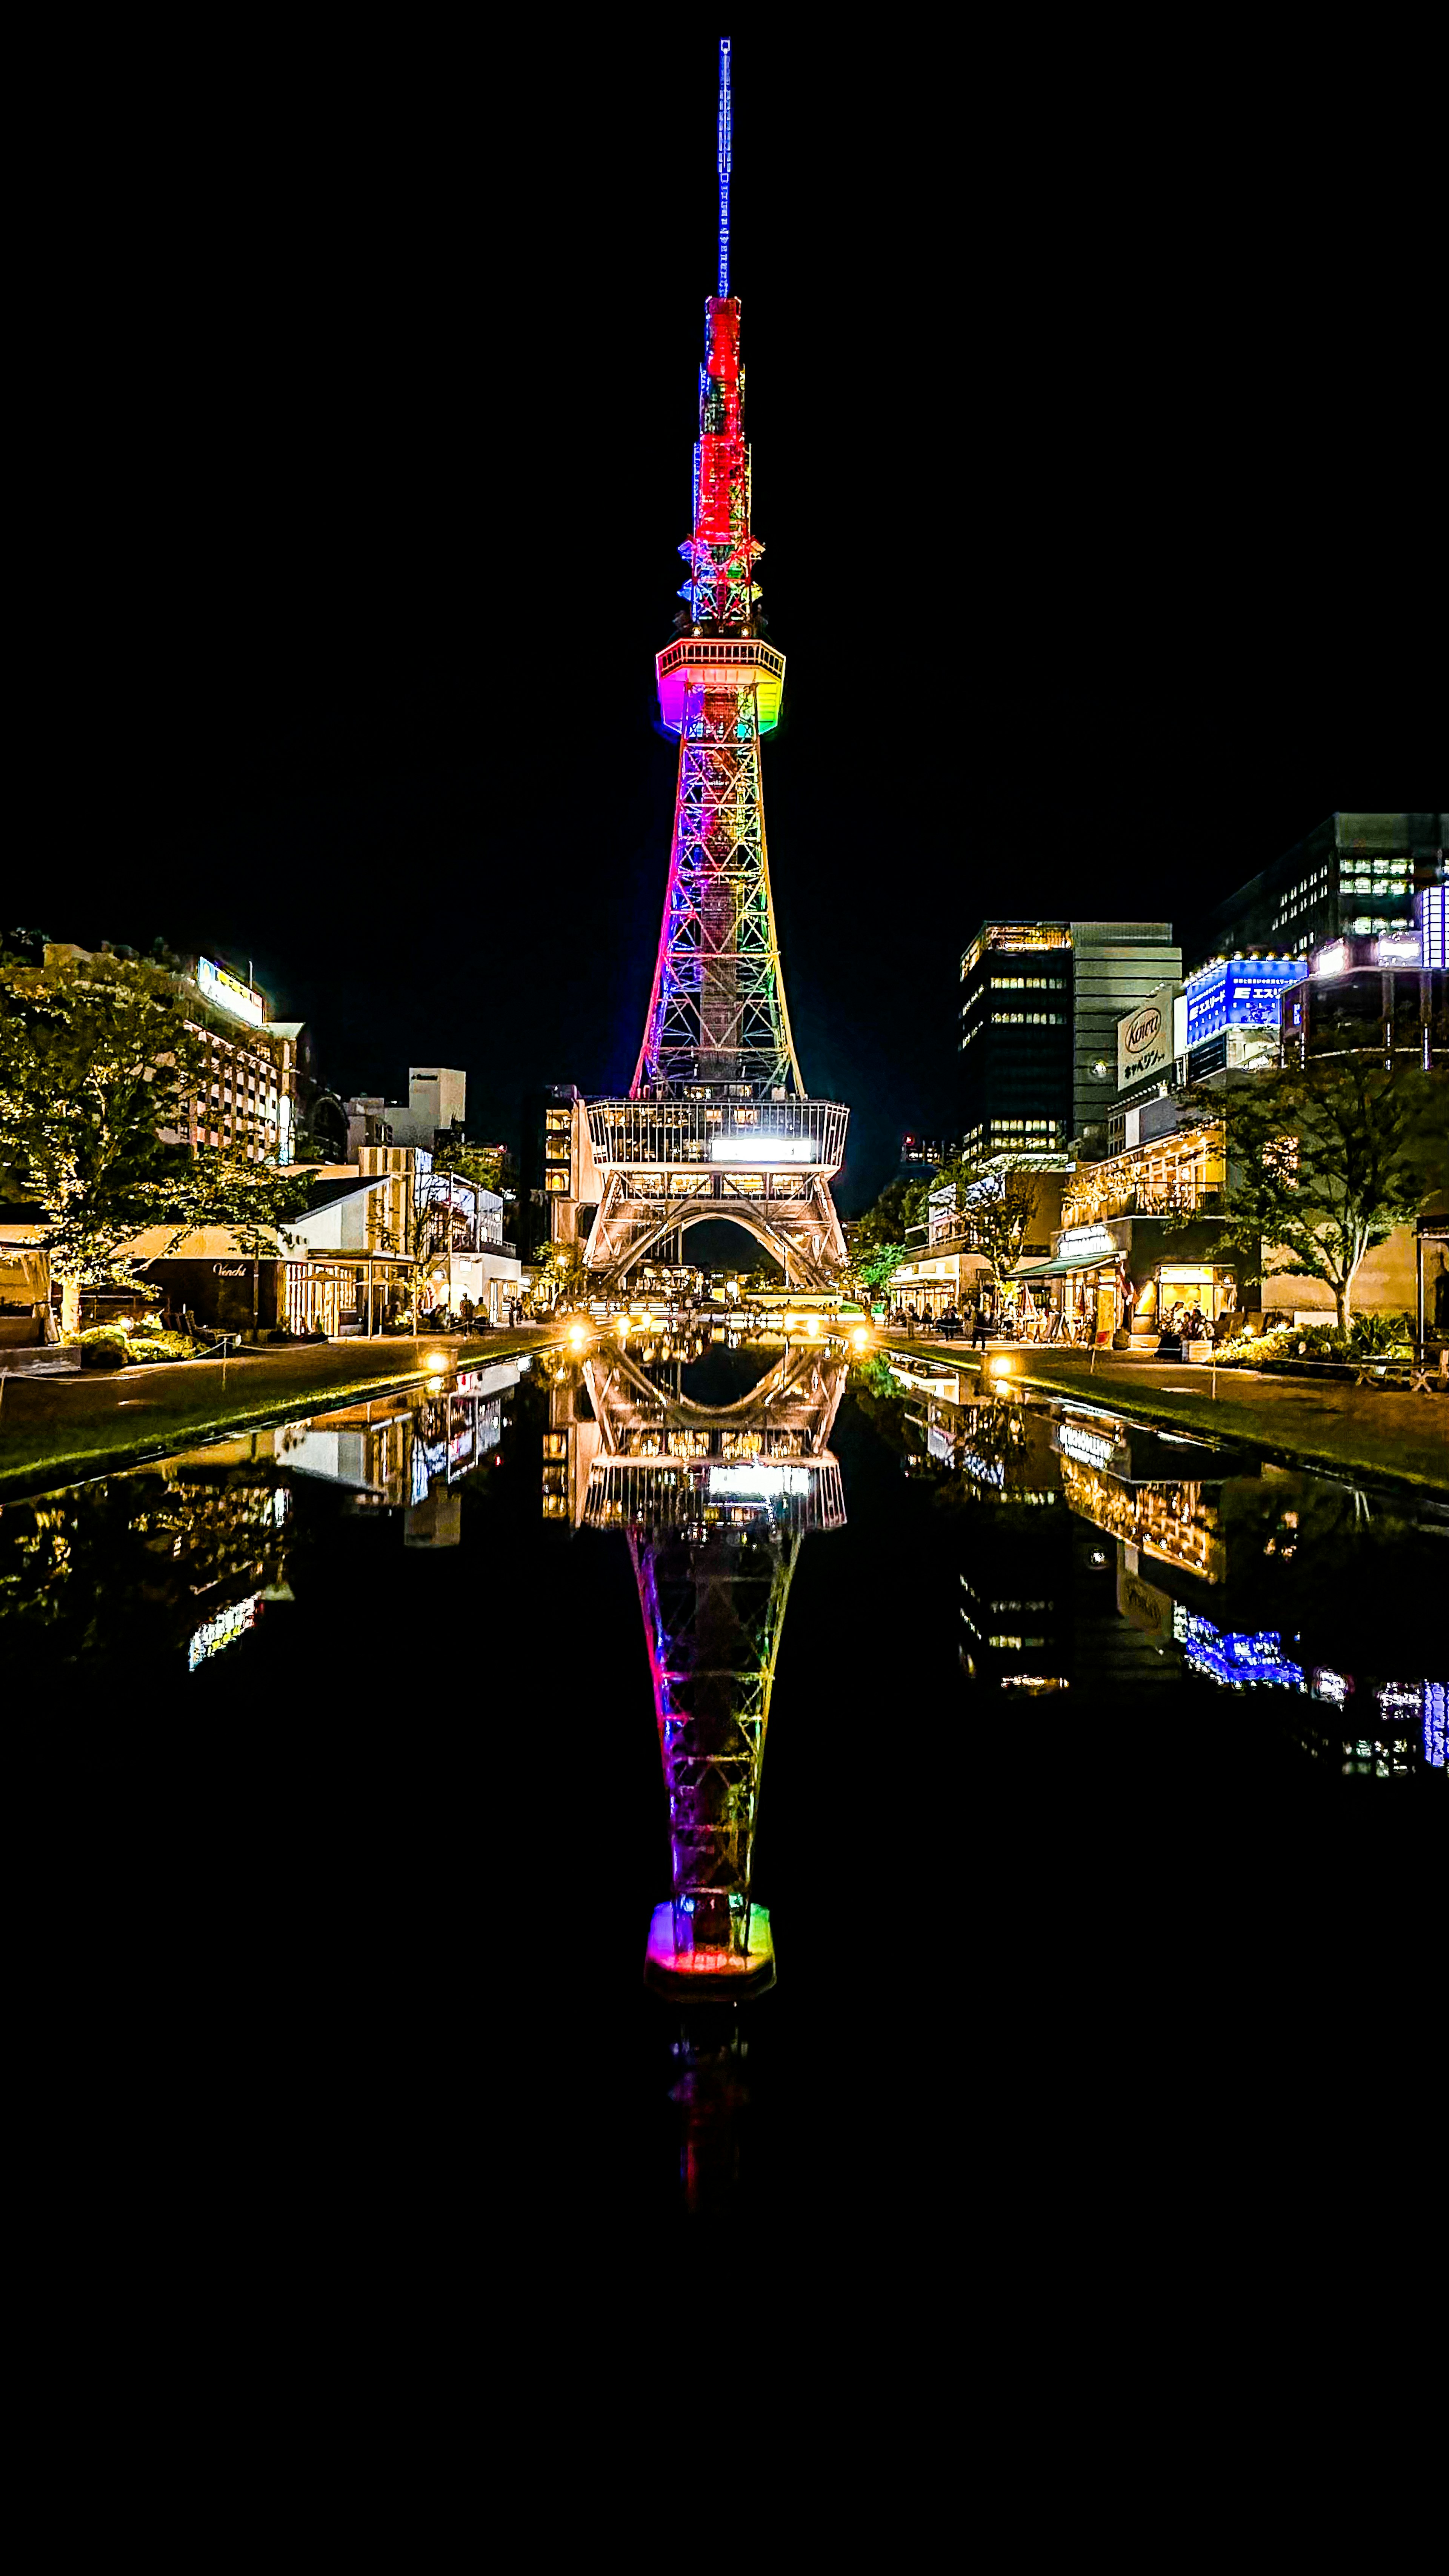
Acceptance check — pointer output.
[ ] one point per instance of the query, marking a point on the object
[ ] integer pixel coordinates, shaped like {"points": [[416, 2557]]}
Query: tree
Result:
{"points": [[995, 1204], [901, 1204], [98, 1069], [1325, 1159], [482, 1165], [876, 1266], [562, 1265]]}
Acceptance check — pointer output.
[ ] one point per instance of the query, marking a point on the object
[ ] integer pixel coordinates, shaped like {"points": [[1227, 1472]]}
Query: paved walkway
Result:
{"points": [[1377, 1430], [69, 1422]]}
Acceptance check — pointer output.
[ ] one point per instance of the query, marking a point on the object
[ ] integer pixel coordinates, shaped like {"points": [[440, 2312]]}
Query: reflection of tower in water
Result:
{"points": [[715, 1501]]}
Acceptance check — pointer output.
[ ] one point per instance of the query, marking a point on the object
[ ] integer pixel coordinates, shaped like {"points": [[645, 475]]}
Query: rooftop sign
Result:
{"points": [[228, 993]]}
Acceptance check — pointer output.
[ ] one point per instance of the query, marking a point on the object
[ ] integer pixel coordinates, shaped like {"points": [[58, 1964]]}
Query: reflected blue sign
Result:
{"points": [[1243, 1660]]}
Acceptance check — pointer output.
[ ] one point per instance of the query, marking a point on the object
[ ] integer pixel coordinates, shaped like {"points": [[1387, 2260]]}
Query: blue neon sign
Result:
{"points": [[1239, 992]]}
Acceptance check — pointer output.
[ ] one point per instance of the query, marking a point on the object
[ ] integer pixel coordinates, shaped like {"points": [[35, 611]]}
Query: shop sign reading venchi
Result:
{"points": [[1144, 1038]]}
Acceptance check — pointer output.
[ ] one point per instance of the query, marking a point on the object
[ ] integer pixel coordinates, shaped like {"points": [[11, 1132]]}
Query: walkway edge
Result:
{"points": [[1189, 1413], [62, 1467]]}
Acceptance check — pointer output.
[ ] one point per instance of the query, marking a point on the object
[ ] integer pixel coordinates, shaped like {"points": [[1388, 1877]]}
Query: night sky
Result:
{"points": [[1092, 457]]}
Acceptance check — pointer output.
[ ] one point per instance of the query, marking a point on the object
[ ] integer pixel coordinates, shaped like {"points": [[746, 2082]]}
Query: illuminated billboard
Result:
{"points": [[757, 1482], [1144, 1038], [1238, 992], [758, 1145], [228, 993]]}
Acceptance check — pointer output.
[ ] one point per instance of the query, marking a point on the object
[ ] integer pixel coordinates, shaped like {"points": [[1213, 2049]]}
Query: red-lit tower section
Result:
{"points": [[718, 1121]]}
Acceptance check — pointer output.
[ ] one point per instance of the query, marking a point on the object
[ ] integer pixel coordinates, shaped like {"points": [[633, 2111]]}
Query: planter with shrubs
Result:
{"points": [[1321, 1350], [110, 1346]]}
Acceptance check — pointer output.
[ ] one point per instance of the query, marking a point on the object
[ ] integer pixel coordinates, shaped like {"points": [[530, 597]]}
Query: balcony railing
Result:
{"points": [[718, 1135]]}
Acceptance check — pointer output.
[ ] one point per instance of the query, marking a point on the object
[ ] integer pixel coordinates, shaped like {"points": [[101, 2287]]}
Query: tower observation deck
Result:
{"points": [[718, 1122]]}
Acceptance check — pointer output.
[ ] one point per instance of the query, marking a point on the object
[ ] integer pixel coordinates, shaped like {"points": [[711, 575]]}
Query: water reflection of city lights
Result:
{"points": [[1239, 1660], [214, 1635]]}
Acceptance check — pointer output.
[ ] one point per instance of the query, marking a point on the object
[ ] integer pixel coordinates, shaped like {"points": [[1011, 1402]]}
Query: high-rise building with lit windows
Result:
{"points": [[1015, 1038], [1352, 875], [1037, 1039]]}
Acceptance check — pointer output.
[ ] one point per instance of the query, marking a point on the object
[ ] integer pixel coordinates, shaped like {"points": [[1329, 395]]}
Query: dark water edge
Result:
{"points": [[334, 1944]]}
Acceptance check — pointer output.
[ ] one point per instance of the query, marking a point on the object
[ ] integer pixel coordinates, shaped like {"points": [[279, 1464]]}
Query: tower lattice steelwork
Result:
{"points": [[718, 1122]]}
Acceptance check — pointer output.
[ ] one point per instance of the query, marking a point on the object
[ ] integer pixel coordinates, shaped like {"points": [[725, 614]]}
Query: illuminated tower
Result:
{"points": [[718, 1122]]}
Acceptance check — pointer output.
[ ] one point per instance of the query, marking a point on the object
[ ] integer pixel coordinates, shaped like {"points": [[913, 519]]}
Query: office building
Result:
{"points": [[1367, 997], [1431, 910], [558, 1187], [1015, 1039], [1353, 874], [1118, 967], [1040, 1004], [246, 1095]]}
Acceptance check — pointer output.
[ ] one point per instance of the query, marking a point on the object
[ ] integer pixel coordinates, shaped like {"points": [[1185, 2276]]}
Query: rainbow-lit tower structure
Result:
{"points": [[718, 1122]]}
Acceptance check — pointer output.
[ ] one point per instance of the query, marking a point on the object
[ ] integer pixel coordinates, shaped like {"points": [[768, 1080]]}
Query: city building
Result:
{"points": [[1368, 996], [923, 1154], [1139, 1236], [1015, 1039], [246, 1100], [951, 1270], [558, 1184], [1039, 1010], [1219, 1028], [1353, 873], [380, 1242], [1118, 966], [25, 1316], [436, 1108]]}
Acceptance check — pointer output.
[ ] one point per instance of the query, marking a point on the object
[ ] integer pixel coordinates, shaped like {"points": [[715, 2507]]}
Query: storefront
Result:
{"points": [[1084, 1292], [1178, 1288], [335, 1297], [24, 1286], [1122, 1278], [933, 1282]]}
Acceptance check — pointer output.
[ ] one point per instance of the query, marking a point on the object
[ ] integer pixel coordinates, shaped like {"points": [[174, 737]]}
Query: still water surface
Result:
{"points": [[342, 1745]]}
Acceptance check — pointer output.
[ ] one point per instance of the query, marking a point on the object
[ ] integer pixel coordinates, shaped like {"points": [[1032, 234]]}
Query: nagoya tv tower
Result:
{"points": [[718, 1122]]}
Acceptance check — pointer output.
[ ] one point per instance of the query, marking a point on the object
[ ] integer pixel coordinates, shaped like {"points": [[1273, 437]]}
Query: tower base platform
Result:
{"points": [[704, 1975]]}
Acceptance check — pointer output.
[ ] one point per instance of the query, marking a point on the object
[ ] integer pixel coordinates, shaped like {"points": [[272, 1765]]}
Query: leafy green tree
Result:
{"points": [[873, 1270], [1325, 1159], [480, 1164], [98, 1069], [562, 1268]]}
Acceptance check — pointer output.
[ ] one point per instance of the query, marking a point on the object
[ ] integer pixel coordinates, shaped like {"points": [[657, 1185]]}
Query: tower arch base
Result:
{"points": [[802, 1233]]}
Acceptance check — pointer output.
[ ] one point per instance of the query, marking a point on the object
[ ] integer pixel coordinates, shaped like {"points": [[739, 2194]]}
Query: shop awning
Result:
{"points": [[1077, 1261]]}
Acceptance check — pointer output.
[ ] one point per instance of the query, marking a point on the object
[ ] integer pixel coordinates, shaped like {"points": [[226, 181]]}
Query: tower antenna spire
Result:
{"points": [[724, 166]]}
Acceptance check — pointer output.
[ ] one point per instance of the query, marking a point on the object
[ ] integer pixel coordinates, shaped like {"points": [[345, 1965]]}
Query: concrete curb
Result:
{"points": [[1194, 1411], [133, 1447]]}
